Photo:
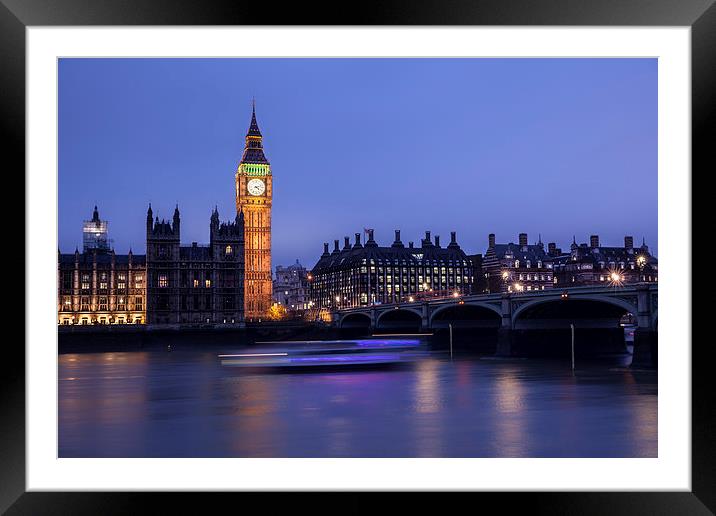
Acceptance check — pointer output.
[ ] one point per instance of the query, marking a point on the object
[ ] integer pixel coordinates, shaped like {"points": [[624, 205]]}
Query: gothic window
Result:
{"points": [[163, 282], [228, 250], [85, 282], [138, 279]]}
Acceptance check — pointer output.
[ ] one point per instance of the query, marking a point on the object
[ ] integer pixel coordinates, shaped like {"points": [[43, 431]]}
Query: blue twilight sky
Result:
{"points": [[559, 147]]}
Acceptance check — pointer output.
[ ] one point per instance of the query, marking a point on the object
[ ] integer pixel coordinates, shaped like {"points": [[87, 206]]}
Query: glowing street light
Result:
{"points": [[616, 278]]}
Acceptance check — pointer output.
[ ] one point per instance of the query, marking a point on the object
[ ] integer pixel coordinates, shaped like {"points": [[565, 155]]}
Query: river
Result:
{"points": [[185, 403]]}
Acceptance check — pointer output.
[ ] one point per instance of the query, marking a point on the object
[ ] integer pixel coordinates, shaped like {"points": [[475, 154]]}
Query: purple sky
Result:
{"points": [[559, 147]]}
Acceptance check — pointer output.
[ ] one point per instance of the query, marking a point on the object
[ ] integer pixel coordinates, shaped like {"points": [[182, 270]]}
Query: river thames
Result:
{"points": [[185, 403]]}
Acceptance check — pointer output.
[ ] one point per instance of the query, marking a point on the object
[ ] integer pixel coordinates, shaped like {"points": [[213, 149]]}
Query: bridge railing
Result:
{"points": [[602, 289]]}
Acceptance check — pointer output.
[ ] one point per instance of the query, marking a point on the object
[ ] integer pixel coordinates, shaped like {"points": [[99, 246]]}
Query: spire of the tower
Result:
{"points": [[254, 152], [254, 126], [95, 214]]}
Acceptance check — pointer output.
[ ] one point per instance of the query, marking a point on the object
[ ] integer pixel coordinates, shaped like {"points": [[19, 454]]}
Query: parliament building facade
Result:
{"points": [[174, 284]]}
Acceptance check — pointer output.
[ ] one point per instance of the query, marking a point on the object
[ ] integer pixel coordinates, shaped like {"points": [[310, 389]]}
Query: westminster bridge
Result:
{"points": [[523, 322]]}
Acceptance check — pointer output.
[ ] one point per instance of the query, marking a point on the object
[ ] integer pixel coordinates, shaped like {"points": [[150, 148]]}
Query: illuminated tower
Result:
{"points": [[94, 234], [253, 198]]}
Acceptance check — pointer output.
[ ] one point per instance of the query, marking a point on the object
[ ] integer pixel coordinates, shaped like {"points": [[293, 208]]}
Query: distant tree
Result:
{"points": [[277, 312]]}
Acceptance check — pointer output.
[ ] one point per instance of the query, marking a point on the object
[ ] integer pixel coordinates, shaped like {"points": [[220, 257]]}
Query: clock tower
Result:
{"points": [[253, 197]]}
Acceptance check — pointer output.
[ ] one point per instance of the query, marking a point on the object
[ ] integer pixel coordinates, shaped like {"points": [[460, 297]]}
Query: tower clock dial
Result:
{"points": [[255, 187]]}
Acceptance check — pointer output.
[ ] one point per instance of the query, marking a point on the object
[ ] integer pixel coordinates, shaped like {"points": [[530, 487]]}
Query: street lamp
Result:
{"points": [[616, 279]]}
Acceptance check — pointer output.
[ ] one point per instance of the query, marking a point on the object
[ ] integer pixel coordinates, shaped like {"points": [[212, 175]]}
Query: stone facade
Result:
{"points": [[196, 284], [99, 286], [517, 267], [593, 264], [363, 275], [290, 288]]}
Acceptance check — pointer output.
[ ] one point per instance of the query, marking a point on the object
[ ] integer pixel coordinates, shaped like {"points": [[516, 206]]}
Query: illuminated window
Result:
{"points": [[207, 283], [85, 282], [138, 280], [138, 303], [103, 303], [163, 282], [228, 250], [196, 282]]}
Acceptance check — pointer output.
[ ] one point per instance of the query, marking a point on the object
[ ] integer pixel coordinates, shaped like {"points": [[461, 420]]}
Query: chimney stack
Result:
{"points": [[552, 249], [325, 248], [594, 241], [335, 247], [410, 245], [491, 240], [357, 244], [437, 240], [523, 239], [397, 235], [346, 243], [629, 242]]}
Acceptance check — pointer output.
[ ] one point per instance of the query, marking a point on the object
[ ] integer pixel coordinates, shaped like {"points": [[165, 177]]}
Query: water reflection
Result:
{"points": [[427, 402], [185, 404], [510, 421]]}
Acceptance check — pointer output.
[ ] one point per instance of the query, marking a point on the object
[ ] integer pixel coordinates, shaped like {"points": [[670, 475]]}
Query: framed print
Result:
{"points": [[408, 249]]}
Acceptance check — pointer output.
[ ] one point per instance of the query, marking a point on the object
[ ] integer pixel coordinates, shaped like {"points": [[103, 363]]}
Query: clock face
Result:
{"points": [[255, 187]]}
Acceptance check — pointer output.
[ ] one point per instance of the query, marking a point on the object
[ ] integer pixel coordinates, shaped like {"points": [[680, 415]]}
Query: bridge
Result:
{"points": [[518, 318]]}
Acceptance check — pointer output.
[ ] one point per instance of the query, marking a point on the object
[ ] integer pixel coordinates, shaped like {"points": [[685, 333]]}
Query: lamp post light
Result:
{"points": [[505, 279], [616, 279]]}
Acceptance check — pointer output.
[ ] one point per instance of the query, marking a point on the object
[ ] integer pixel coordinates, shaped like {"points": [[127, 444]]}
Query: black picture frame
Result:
{"points": [[700, 15]]}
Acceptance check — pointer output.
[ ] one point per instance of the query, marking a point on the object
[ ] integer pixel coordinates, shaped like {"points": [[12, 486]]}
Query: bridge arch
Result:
{"points": [[356, 320], [398, 318], [470, 314], [530, 307]]}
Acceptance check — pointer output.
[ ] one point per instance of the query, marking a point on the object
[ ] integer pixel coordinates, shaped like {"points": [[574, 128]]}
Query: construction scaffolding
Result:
{"points": [[95, 235]]}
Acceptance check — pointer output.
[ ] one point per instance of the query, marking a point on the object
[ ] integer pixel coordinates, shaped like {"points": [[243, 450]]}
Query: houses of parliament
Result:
{"points": [[226, 282]]}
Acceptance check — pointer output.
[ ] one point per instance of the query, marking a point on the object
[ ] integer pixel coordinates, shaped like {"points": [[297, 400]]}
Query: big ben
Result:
{"points": [[253, 197]]}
